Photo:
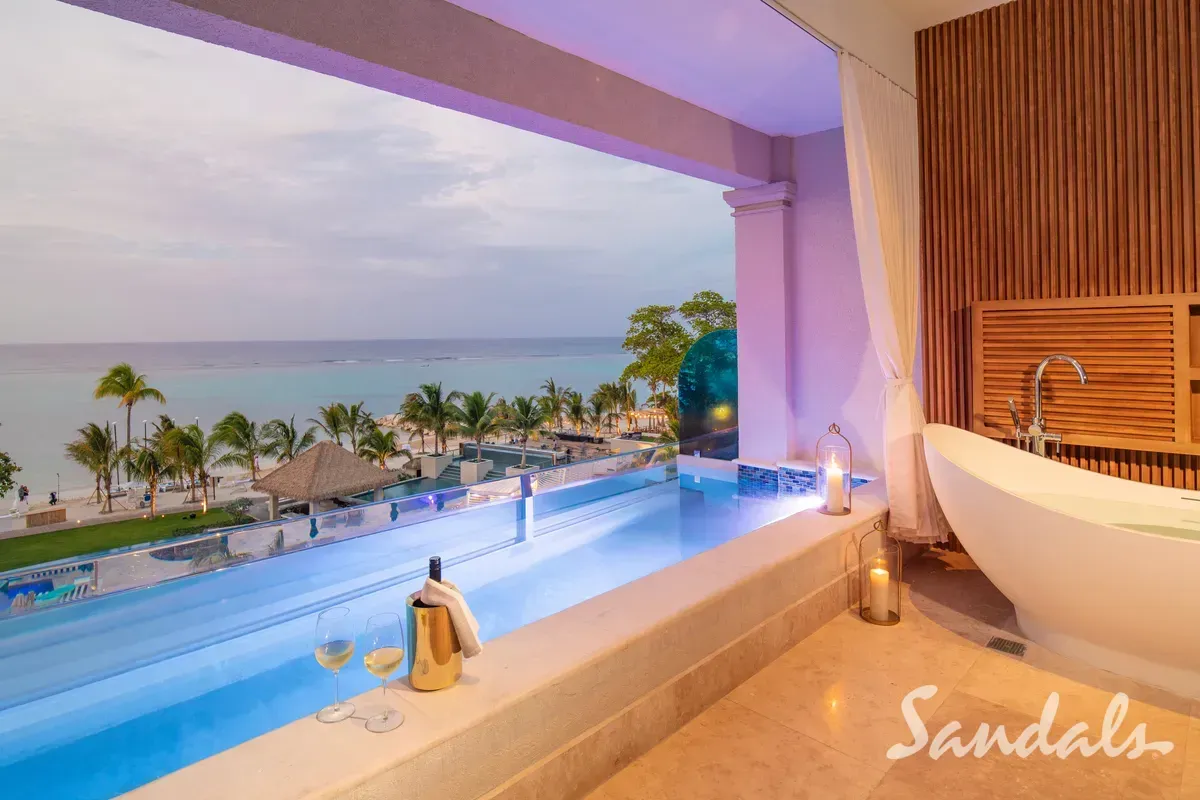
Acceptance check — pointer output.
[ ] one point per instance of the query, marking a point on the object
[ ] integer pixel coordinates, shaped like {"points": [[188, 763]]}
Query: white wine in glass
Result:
{"points": [[385, 653], [334, 647]]}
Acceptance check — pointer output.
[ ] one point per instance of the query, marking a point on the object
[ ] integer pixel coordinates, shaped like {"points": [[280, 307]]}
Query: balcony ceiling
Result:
{"points": [[737, 58], [925, 13]]}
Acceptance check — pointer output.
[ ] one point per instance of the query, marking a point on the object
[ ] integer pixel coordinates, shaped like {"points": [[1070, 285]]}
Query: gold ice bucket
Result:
{"points": [[434, 654]]}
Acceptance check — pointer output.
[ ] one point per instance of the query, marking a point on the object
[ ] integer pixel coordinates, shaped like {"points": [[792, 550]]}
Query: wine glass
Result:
{"points": [[385, 652], [334, 646]]}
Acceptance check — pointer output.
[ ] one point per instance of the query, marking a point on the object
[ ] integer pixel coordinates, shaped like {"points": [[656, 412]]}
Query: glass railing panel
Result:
{"points": [[557, 490], [708, 396], [487, 515]]}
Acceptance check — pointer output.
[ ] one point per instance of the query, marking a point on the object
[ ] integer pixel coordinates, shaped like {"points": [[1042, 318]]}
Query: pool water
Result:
{"points": [[410, 487], [103, 696]]}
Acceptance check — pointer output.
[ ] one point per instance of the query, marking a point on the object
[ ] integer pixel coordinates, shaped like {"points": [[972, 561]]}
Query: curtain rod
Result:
{"points": [[799, 22]]}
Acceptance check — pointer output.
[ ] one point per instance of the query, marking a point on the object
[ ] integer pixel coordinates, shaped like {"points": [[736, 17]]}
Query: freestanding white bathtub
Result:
{"points": [[1100, 569]]}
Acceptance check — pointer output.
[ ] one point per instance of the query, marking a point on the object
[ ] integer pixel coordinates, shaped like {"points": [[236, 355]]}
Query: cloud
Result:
{"points": [[148, 177]]}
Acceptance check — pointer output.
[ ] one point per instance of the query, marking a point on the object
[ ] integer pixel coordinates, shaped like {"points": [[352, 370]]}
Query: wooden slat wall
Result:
{"points": [[1059, 159], [1129, 353]]}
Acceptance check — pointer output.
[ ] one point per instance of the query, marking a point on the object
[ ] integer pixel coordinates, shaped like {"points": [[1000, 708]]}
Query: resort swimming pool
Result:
{"points": [[108, 694]]}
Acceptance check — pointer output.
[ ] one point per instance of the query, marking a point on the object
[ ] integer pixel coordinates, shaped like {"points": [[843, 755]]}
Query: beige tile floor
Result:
{"points": [[817, 723]]}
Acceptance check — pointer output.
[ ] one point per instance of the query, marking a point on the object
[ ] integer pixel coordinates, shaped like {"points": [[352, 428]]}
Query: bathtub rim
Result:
{"points": [[938, 428]]}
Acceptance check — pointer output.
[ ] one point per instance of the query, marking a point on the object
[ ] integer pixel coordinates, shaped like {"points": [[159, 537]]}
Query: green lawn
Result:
{"points": [[42, 547]]}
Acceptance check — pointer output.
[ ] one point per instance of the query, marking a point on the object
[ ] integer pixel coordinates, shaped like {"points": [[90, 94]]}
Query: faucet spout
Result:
{"points": [[1038, 419]]}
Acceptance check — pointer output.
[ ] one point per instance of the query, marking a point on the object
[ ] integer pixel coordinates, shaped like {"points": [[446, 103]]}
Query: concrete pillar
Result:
{"points": [[763, 241], [273, 507], [377, 495]]}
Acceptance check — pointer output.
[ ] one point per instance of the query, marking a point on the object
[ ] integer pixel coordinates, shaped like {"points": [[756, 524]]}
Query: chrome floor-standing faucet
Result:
{"points": [[1036, 436]]}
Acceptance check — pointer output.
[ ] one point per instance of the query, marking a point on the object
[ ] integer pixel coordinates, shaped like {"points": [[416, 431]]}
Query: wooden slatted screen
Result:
{"points": [[1060, 158], [1129, 353]]}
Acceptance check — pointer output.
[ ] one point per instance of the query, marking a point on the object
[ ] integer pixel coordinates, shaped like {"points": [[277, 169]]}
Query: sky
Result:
{"points": [[158, 188]]}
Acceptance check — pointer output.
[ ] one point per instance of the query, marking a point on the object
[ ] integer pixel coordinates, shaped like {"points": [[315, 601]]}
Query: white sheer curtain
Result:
{"points": [[880, 122]]}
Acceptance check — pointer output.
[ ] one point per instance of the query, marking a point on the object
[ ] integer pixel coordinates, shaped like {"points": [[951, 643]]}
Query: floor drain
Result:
{"points": [[1006, 646]]}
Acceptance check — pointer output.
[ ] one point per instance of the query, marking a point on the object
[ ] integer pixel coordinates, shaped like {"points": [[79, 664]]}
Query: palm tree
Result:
{"points": [[195, 453], [170, 468], [379, 445], [436, 411], [595, 413], [671, 434], [150, 464], [124, 383], [411, 421], [245, 440], [610, 395], [334, 420], [627, 395], [526, 416], [478, 420], [285, 441], [556, 399], [96, 450], [359, 422], [577, 412]]}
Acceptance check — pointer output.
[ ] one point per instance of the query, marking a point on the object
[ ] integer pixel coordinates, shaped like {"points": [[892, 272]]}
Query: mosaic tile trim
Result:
{"points": [[804, 481], [757, 481], [786, 481]]}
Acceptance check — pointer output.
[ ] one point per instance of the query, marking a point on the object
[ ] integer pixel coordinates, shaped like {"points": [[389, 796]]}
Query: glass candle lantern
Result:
{"points": [[882, 572], [835, 467]]}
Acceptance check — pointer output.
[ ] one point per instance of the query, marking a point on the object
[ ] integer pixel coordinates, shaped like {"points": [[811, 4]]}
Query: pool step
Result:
{"points": [[454, 473]]}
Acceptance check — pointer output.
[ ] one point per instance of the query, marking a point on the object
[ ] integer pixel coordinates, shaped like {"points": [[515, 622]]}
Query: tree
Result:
{"points": [[555, 398], [659, 336], [124, 383], [8, 468], [96, 450], [708, 311], [658, 342], [526, 416], [149, 464], [435, 411], [576, 411], [245, 441], [285, 441], [359, 422], [165, 423], [626, 396], [334, 420], [609, 395], [478, 420], [379, 445], [595, 413], [195, 454], [411, 420]]}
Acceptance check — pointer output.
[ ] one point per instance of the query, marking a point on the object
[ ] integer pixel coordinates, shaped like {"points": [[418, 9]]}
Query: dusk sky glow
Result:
{"points": [[158, 188]]}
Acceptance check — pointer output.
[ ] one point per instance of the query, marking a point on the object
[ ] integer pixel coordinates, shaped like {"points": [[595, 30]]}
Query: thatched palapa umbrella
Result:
{"points": [[323, 472]]}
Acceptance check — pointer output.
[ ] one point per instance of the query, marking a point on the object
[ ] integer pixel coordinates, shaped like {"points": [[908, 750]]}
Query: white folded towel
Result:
{"points": [[439, 594]]}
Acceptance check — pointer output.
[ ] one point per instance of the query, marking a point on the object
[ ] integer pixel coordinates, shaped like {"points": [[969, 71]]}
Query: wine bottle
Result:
{"points": [[435, 574]]}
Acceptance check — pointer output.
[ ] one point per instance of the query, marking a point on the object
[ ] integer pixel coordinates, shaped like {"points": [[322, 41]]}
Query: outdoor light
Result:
{"points": [[835, 468], [880, 577]]}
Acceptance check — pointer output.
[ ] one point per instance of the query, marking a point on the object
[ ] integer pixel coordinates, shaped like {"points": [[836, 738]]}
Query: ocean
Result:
{"points": [[46, 389]]}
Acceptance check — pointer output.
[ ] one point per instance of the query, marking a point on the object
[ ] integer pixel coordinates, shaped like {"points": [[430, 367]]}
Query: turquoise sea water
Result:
{"points": [[45, 390]]}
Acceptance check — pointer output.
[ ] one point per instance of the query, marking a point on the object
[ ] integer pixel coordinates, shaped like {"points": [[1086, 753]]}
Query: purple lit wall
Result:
{"points": [[835, 376]]}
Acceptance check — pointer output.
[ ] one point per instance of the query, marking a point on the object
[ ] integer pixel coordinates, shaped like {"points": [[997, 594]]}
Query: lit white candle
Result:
{"points": [[835, 488], [879, 594]]}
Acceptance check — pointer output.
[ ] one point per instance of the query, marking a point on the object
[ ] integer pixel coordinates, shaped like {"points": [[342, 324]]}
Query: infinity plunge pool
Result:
{"points": [[104, 695]]}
